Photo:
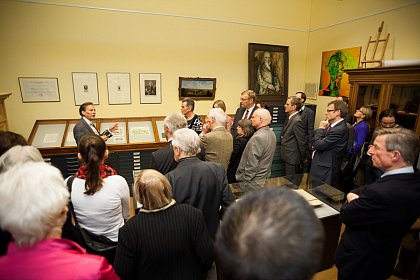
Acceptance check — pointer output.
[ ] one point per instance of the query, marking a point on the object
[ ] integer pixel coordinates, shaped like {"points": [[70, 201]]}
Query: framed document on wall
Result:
{"points": [[85, 87], [118, 88], [39, 89]]}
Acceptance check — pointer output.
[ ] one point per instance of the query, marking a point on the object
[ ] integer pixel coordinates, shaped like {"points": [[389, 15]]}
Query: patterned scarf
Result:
{"points": [[105, 171]]}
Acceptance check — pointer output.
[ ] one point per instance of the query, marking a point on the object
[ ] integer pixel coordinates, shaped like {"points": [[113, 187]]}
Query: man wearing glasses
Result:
{"points": [[378, 215], [330, 142], [248, 106]]}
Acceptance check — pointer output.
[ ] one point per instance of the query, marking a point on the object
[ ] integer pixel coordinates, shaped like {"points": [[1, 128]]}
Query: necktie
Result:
{"points": [[246, 114], [94, 127]]}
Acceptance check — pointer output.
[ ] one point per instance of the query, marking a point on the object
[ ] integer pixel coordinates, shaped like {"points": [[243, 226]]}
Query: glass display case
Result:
{"points": [[387, 87]]}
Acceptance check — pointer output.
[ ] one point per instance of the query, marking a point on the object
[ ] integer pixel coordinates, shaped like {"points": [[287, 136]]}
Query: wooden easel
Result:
{"points": [[376, 42]]}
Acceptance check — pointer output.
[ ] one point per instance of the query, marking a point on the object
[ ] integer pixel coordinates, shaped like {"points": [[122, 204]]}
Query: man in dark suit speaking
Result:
{"points": [[85, 126], [378, 215], [330, 142]]}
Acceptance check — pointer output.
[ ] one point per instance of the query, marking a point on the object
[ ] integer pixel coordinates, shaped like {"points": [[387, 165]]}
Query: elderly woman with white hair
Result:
{"points": [[33, 208], [165, 240]]}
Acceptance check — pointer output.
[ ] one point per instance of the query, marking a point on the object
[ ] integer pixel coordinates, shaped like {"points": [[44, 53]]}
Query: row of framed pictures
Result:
{"points": [[85, 87]]}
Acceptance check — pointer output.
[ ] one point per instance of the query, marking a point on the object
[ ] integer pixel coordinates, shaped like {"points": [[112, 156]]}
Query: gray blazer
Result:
{"points": [[82, 129], [257, 157]]}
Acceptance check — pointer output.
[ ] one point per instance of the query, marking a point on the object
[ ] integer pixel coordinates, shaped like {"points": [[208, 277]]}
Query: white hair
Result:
{"points": [[174, 121], [19, 154], [218, 114], [187, 141], [32, 198]]}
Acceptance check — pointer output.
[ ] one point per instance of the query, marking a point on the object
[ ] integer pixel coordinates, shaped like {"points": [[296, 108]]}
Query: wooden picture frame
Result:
{"points": [[150, 88], [268, 71], [197, 88]]}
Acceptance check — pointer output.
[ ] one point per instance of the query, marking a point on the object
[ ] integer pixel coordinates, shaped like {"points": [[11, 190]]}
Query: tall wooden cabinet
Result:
{"points": [[3, 116], [387, 87]]}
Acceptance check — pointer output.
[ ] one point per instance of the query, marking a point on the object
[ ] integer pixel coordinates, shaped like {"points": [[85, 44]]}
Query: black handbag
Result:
{"points": [[95, 244]]}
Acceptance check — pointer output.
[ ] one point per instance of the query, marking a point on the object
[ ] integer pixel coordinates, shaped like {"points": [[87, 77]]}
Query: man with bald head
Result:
{"points": [[259, 151], [217, 141]]}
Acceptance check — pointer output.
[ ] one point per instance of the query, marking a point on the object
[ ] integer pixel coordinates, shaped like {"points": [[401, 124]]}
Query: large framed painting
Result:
{"points": [[334, 79], [268, 71]]}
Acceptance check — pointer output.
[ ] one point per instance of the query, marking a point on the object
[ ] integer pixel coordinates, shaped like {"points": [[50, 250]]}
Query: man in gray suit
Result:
{"points": [[217, 141], [330, 142], [259, 151], [293, 138], [85, 126]]}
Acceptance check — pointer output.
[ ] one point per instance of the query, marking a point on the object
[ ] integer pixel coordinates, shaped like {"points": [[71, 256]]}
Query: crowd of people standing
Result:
{"points": [[182, 198]]}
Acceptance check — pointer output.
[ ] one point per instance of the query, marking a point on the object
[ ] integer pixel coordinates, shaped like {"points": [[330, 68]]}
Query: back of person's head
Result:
{"points": [[294, 101], [190, 103], [247, 127], [302, 96], [340, 105], [219, 104], [271, 233], [92, 150], [264, 114], [174, 121], [18, 155], [9, 139], [403, 140], [33, 197], [152, 190], [83, 107], [218, 114], [345, 99], [187, 141]]}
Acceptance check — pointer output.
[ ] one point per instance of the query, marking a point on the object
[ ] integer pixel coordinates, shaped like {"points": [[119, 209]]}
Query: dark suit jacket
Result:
{"points": [[330, 148], [238, 148], [238, 116], [163, 160], [293, 141], [82, 129], [309, 117], [203, 185], [375, 225]]}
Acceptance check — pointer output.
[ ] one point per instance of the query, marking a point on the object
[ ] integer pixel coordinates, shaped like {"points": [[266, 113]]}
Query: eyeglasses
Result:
{"points": [[244, 99], [331, 110]]}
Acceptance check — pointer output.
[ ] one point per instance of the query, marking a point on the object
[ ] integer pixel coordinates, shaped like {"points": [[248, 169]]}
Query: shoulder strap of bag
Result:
{"points": [[69, 187]]}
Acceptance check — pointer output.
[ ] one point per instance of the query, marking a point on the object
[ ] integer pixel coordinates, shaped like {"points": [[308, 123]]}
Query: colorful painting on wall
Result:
{"points": [[334, 80]]}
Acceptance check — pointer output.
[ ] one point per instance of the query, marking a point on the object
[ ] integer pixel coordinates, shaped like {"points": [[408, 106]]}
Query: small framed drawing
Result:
{"points": [[118, 88], [85, 87], [150, 88], [311, 90], [197, 88], [39, 89]]}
